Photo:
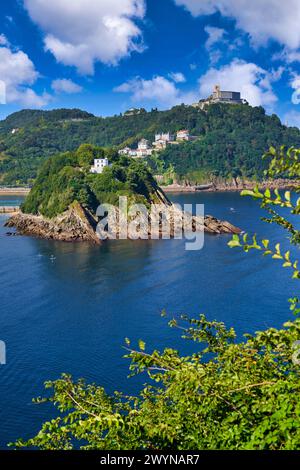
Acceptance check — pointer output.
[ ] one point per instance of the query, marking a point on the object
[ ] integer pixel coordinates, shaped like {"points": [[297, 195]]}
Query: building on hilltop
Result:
{"points": [[135, 112], [220, 96], [99, 165]]}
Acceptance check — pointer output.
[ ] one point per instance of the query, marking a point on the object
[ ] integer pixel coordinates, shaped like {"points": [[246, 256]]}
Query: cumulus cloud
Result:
{"points": [[215, 35], [158, 90], [177, 77], [261, 19], [3, 40], [292, 118], [17, 72], [254, 82], [65, 86], [81, 32], [287, 55], [295, 84]]}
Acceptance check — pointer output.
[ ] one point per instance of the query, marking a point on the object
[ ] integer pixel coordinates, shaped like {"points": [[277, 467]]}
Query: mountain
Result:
{"points": [[231, 139]]}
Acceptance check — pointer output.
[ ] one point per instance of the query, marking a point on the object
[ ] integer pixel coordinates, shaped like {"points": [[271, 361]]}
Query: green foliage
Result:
{"points": [[231, 139], [66, 178], [227, 395], [283, 163]]}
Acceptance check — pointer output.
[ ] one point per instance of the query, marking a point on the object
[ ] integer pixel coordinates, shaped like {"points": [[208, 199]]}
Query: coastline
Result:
{"points": [[283, 184], [14, 191]]}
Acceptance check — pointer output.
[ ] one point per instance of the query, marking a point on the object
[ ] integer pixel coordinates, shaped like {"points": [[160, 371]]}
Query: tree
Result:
{"points": [[227, 395]]}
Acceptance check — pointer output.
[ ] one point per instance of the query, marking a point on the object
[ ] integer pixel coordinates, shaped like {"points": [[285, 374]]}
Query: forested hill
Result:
{"points": [[232, 138]]}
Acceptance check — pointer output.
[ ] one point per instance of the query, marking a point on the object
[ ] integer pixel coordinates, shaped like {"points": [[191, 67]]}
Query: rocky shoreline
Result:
{"points": [[234, 185], [79, 225], [74, 225]]}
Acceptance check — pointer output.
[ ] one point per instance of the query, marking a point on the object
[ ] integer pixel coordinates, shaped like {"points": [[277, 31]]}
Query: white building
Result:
{"points": [[124, 151], [167, 137], [160, 145], [143, 144], [220, 96], [183, 135], [99, 165]]}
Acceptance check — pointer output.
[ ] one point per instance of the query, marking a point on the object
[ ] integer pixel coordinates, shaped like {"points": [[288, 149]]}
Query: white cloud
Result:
{"points": [[292, 118], [158, 90], [177, 77], [65, 86], [18, 72], [252, 81], [82, 32], [215, 35], [287, 55], [295, 84], [262, 19], [3, 40]]}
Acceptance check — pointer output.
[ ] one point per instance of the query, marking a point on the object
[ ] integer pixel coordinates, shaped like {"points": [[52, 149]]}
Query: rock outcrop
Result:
{"points": [[78, 225]]}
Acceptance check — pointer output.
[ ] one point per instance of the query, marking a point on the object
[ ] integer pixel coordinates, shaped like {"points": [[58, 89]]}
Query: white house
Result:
{"points": [[125, 151], [167, 137], [143, 144], [99, 165], [183, 135]]}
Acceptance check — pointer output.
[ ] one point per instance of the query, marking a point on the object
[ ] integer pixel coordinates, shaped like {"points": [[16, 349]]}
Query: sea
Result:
{"points": [[67, 307]]}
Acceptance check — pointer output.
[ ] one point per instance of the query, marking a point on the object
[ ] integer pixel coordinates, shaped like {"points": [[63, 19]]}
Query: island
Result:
{"points": [[70, 186]]}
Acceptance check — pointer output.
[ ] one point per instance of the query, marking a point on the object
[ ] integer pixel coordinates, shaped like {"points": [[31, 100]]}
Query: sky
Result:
{"points": [[106, 56]]}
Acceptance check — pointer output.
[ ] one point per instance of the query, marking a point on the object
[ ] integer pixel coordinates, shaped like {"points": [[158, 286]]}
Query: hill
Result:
{"points": [[231, 140]]}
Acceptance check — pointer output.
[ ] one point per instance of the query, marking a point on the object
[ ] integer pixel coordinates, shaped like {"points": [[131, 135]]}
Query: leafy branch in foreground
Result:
{"points": [[283, 163], [227, 395]]}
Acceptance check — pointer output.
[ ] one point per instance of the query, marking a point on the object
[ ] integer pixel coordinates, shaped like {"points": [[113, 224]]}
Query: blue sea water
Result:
{"points": [[68, 307], [13, 201]]}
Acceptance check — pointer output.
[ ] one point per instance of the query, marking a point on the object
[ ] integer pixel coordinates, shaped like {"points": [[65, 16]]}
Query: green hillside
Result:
{"points": [[231, 138]]}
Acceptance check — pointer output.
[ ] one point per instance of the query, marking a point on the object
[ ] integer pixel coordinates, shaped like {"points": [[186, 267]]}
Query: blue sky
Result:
{"points": [[106, 56]]}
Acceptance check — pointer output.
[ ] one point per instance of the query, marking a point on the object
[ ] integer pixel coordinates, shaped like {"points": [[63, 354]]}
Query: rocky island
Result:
{"points": [[62, 204]]}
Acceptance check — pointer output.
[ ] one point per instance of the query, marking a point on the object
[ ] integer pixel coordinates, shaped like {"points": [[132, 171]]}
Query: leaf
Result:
{"points": [[267, 193], [266, 243], [247, 192], [234, 244]]}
